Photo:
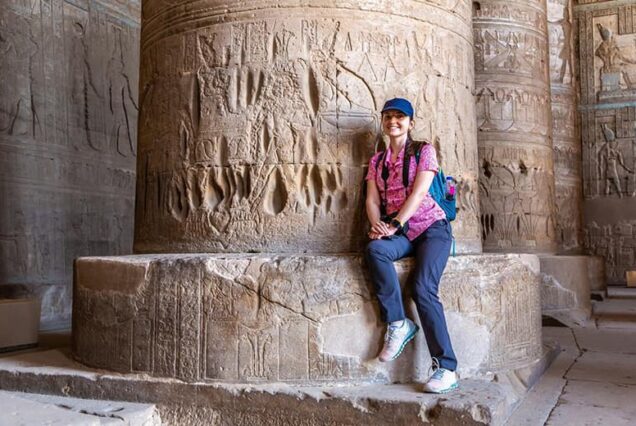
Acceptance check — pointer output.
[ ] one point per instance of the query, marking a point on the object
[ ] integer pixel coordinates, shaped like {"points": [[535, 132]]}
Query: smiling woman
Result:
{"points": [[406, 221]]}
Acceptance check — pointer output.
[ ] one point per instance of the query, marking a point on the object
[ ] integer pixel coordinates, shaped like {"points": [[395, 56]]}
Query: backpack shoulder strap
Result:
{"points": [[407, 163]]}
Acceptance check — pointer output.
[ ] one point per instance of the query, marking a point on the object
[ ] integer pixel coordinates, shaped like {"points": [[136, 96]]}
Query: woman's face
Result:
{"points": [[396, 123]]}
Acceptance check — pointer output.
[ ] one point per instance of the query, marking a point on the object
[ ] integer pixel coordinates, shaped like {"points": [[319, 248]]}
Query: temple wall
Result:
{"points": [[514, 126], [68, 113], [607, 74], [565, 128], [257, 122]]}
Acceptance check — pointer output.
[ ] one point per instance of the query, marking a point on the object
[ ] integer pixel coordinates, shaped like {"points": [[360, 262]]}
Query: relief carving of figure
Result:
{"points": [[122, 105], [609, 158], [609, 52], [18, 48]]}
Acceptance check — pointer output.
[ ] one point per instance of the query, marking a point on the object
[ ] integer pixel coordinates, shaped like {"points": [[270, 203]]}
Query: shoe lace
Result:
{"points": [[436, 369], [390, 335]]}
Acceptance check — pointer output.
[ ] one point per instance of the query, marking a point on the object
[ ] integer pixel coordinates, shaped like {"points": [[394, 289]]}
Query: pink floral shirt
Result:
{"points": [[429, 211]]}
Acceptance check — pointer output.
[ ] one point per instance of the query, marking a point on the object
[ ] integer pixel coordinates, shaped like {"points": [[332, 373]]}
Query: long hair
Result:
{"points": [[416, 145]]}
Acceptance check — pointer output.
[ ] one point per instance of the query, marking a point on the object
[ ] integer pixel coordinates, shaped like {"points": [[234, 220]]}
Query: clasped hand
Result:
{"points": [[381, 229]]}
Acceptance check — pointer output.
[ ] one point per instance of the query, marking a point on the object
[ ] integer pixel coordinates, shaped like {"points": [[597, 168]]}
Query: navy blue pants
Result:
{"points": [[431, 251]]}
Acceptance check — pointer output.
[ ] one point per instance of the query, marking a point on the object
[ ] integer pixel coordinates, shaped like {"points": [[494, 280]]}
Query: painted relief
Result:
{"points": [[256, 132]]}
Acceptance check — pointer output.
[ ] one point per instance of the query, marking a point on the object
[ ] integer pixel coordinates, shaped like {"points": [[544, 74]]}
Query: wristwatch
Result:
{"points": [[396, 224]]}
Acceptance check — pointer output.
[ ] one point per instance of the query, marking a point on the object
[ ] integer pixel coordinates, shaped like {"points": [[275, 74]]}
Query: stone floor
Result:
{"points": [[591, 382]]}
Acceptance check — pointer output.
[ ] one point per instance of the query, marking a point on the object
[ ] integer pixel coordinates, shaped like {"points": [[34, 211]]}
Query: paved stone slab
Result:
{"points": [[605, 367], [20, 408], [612, 340], [477, 401], [563, 336], [589, 403]]}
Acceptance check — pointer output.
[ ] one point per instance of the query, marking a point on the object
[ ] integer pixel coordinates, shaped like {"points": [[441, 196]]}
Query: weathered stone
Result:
{"points": [[296, 319], [257, 121], [565, 288], [515, 128], [68, 114], [32, 409], [596, 273], [19, 323], [607, 52], [565, 129], [477, 402]]}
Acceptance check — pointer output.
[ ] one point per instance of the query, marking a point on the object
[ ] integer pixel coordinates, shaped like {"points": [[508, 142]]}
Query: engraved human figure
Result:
{"points": [[18, 48], [609, 158], [565, 51], [121, 101], [609, 52]]}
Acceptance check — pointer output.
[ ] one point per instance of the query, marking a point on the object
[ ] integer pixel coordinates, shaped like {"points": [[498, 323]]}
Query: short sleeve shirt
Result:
{"points": [[429, 211]]}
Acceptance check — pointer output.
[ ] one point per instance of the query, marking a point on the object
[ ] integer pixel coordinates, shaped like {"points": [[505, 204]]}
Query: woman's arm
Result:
{"points": [[422, 183], [378, 228]]}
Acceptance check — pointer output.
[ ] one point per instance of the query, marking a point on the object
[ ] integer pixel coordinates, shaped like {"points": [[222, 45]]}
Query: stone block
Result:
{"points": [[631, 278], [19, 323], [596, 273], [565, 288], [296, 319], [476, 402]]}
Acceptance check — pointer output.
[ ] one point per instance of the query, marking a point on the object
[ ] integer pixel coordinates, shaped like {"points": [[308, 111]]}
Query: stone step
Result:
{"points": [[616, 292], [476, 402], [19, 408], [615, 313]]}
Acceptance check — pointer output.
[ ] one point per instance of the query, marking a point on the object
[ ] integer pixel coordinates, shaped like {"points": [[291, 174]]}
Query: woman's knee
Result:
{"points": [[376, 250]]}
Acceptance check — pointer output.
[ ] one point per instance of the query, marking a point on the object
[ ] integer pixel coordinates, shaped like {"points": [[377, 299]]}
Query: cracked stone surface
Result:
{"points": [[295, 319], [19, 408], [592, 382], [477, 402]]}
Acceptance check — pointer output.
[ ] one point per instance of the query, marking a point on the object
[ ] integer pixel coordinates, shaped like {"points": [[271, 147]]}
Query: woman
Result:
{"points": [[408, 222]]}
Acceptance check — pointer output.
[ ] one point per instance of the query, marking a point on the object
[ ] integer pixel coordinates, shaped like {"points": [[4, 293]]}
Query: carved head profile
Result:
{"points": [[608, 133], [606, 33]]}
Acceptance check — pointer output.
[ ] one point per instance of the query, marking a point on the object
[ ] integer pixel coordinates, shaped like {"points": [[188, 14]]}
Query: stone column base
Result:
{"points": [[566, 286], [304, 320]]}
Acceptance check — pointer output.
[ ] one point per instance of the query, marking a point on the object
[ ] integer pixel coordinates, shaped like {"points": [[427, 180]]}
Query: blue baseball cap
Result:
{"points": [[399, 104]]}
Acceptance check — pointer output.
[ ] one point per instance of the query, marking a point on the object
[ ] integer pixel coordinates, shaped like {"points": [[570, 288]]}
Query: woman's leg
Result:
{"points": [[380, 255], [431, 252]]}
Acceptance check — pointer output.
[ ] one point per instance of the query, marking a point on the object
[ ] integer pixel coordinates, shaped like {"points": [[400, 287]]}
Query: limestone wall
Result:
{"points": [[607, 73], [565, 128], [257, 121], [515, 129], [68, 112]]}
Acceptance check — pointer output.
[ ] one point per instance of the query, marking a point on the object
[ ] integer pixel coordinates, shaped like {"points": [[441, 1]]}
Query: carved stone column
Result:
{"points": [[257, 122], [565, 130], [515, 128]]}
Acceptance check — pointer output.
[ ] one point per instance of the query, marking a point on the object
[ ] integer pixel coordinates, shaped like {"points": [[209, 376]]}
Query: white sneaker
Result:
{"points": [[441, 381], [396, 338]]}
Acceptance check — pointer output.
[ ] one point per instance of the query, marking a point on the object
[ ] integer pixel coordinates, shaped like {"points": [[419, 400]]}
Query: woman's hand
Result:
{"points": [[380, 227]]}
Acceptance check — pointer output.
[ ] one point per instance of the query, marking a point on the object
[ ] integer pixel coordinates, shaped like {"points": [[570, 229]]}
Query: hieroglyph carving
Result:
{"points": [[515, 126], [255, 133], [607, 56], [68, 125]]}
